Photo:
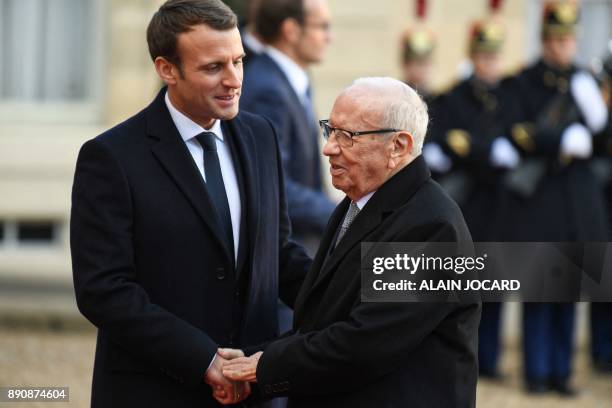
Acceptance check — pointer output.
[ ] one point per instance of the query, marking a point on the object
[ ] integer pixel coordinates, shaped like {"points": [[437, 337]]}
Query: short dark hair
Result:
{"points": [[179, 16], [270, 14]]}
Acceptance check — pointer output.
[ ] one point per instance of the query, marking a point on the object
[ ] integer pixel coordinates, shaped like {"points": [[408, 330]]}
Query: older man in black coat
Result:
{"points": [[345, 352]]}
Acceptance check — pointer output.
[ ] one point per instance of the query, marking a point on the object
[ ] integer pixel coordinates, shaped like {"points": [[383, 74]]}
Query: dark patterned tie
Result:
{"points": [[352, 212], [215, 185]]}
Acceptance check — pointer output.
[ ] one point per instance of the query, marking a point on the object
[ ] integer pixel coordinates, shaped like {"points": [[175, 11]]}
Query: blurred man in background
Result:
{"points": [[560, 110], [251, 41], [473, 120], [277, 86]]}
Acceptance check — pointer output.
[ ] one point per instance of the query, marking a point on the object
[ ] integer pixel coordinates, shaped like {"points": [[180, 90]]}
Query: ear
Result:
{"points": [[401, 147], [167, 71], [291, 30]]}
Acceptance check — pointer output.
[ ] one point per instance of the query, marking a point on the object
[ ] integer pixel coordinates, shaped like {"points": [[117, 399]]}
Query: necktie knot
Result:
{"points": [[207, 140]]}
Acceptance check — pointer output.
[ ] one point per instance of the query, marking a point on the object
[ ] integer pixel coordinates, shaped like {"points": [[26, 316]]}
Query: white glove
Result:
{"points": [[503, 154], [588, 97], [435, 158], [576, 141]]}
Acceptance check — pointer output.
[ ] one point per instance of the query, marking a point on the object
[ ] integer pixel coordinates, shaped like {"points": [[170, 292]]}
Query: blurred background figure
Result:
{"points": [[601, 313], [251, 41], [473, 121], [556, 196], [277, 85], [417, 45]]}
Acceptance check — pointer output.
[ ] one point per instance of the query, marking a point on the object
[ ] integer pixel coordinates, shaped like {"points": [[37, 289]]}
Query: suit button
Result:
{"points": [[220, 273], [237, 293]]}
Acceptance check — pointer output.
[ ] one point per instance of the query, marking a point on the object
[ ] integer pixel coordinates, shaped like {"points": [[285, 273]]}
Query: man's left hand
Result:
{"points": [[224, 390]]}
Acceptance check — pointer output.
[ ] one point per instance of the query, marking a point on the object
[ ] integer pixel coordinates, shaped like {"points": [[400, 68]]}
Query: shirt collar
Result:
{"points": [[252, 42], [298, 78], [364, 200], [187, 128]]}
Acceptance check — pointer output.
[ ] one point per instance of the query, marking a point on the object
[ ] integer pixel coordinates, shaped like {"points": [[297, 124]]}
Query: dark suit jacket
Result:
{"points": [[345, 353], [150, 269], [267, 91]]}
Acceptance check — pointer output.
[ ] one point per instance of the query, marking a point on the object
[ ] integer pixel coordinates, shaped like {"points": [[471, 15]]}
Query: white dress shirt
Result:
{"points": [[364, 200], [188, 130], [252, 42]]}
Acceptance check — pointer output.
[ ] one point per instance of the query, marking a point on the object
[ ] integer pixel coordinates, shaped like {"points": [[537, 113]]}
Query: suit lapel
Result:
{"points": [[245, 150], [297, 106], [173, 155]]}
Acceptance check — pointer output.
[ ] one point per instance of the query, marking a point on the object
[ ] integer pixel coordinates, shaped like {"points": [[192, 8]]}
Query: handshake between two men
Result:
{"points": [[230, 375]]}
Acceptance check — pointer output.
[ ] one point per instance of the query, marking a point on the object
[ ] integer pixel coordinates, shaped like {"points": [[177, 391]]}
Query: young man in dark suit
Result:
{"points": [[179, 229], [347, 353]]}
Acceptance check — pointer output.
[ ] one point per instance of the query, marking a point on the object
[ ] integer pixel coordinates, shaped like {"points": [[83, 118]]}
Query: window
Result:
{"points": [[26, 233], [50, 52], [35, 231]]}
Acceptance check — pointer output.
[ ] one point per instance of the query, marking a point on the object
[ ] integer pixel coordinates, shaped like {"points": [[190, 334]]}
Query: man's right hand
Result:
{"points": [[224, 390]]}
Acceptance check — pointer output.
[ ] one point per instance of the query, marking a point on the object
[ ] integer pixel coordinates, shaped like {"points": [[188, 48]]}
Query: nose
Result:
{"points": [[331, 146], [233, 76]]}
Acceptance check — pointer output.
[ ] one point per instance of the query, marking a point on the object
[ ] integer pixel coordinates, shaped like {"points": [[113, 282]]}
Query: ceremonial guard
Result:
{"points": [[473, 126], [555, 196], [417, 45], [601, 313]]}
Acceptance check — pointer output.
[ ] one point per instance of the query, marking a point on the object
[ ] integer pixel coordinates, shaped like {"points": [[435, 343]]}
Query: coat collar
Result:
{"points": [[394, 193]]}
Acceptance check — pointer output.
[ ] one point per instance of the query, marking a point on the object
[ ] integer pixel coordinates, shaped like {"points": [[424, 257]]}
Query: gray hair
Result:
{"points": [[402, 108]]}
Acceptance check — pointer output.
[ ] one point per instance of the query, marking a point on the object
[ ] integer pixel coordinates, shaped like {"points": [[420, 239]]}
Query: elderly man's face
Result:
{"points": [[365, 166]]}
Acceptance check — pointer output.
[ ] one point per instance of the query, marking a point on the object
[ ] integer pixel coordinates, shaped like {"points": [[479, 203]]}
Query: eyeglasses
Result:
{"points": [[345, 137]]}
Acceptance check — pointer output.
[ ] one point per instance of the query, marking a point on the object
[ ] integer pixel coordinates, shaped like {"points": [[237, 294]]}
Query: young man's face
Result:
{"points": [[208, 84]]}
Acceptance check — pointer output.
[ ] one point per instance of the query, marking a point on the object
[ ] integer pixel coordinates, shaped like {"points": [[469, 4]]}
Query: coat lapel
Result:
{"points": [[367, 220], [394, 193], [296, 106], [173, 155], [321, 255], [245, 149]]}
